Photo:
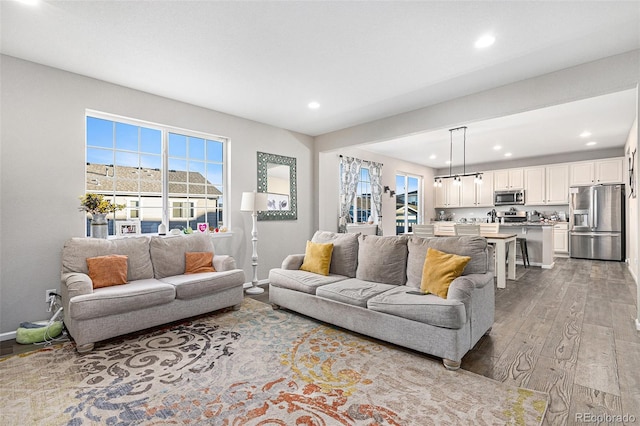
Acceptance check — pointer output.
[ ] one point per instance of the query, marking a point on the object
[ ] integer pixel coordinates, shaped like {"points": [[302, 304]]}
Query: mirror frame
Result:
{"points": [[263, 160]]}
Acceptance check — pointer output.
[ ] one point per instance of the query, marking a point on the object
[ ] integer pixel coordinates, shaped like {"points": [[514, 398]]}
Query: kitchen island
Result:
{"points": [[539, 237]]}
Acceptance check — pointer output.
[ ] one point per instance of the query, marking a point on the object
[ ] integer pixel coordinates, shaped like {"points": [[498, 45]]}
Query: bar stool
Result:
{"points": [[524, 251]]}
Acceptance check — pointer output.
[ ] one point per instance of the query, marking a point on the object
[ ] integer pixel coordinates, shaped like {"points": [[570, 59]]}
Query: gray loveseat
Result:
{"points": [[157, 291], [366, 292]]}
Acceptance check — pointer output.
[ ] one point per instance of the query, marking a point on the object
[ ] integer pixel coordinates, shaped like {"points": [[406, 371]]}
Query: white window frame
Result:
{"points": [[165, 130], [420, 194]]}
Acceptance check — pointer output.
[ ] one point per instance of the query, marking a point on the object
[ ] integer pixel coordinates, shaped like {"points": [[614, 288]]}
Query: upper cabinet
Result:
{"points": [[546, 185], [599, 171], [508, 179], [557, 184], [477, 195], [448, 195]]}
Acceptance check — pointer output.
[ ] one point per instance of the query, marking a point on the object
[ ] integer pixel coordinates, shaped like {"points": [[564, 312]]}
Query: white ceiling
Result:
{"points": [[548, 131], [361, 60]]}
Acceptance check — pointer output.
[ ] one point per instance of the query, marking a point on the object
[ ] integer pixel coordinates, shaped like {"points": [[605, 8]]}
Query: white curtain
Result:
{"points": [[375, 173], [349, 177]]}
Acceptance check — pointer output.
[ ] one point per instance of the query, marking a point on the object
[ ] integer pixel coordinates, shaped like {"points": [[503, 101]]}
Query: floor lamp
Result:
{"points": [[254, 202]]}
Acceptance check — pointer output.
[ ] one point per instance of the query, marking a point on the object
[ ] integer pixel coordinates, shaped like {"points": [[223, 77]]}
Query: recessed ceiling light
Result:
{"points": [[591, 143], [432, 156], [313, 105], [447, 162], [507, 154], [497, 148], [485, 41], [585, 134], [29, 2]]}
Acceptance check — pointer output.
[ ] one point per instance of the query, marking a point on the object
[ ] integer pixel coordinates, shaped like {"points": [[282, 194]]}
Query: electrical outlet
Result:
{"points": [[49, 293]]}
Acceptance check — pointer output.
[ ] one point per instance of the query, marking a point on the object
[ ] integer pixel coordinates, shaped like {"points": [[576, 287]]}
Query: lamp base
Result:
{"points": [[254, 290]]}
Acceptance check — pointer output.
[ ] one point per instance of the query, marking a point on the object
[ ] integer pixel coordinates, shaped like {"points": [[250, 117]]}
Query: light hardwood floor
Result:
{"points": [[568, 331]]}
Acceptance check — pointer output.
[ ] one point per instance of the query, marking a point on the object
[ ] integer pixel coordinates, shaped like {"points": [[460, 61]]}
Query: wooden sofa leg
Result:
{"points": [[84, 349], [236, 307], [486, 333], [275, 307], [450, 364]]}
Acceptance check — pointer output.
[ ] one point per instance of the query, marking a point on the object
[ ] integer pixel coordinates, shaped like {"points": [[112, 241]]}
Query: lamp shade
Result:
{"points": [[253, 201]]}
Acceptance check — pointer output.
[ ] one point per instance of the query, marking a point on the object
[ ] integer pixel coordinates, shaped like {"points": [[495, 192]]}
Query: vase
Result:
{"points": [[99, 225]]}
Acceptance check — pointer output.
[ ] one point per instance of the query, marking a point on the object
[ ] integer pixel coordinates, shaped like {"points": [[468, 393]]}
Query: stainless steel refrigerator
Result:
{"points": [[596, 222]]}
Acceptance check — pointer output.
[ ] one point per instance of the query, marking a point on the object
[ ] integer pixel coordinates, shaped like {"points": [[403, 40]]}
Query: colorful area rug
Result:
{"points": [[254, 366]]}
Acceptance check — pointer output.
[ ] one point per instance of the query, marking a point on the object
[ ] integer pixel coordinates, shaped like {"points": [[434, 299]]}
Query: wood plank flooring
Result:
{"points": [[568, 331]]}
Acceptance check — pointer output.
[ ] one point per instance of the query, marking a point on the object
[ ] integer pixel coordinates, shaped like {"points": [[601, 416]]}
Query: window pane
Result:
{"points": [[214, 174], [99, 156], [99, 132], [196, 148], [150, 140], [126, 137], [128, 159], [177, 145], [214, 151], [177, 165], [151, 162], [197, 172]]}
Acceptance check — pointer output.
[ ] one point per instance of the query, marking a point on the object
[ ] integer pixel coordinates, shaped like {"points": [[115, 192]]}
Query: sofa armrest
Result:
{"points": [[293, 261], [76, 284], [223, 263], [463, 287]]}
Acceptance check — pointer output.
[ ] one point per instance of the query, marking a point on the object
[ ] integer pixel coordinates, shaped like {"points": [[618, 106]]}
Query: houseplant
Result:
{"points": [[99, 207]]}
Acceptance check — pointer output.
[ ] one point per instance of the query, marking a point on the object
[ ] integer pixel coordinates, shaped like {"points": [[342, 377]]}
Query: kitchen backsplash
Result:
{"points": [[480, 213]]}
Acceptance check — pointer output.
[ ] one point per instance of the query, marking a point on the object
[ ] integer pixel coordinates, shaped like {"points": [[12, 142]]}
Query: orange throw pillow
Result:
{"points": [[197, 262], [107, 271]]}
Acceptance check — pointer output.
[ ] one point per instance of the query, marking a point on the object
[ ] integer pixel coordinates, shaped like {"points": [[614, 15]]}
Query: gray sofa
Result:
{"points": [[157, 291], [366, 292]]}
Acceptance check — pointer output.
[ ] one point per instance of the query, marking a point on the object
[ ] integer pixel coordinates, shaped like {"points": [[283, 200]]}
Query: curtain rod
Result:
{"points": [[369, 161]]}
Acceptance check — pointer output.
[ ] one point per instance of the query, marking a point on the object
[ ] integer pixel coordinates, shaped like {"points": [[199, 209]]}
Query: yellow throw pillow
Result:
{"points": [[317, 258], [197, 262], [439, 270], [106, 271]]}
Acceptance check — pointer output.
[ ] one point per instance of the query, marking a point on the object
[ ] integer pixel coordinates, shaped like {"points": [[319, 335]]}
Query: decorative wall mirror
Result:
{"points": [[277, 176]]}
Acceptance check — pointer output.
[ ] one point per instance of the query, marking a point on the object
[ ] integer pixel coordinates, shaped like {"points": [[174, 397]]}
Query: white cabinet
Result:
{"points": [[477, 195], [557, 184], [508, 179], [600, 171], [546, 185], [561, 238], [447, 195], [535, 186]]}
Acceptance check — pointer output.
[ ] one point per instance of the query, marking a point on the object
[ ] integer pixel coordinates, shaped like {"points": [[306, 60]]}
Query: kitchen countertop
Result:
{"points": [[550, 223]]}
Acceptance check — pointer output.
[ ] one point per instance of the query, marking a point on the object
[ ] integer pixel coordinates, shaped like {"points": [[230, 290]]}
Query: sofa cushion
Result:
{"points": [[306, 282], [119, 299], [382, 259], [197, 262], [344, 259], [352, 291], [439, 270], [168, 253], [317, 258], [196, 285], [473, 246], [76, 251], [428, 309], [106, 271]]}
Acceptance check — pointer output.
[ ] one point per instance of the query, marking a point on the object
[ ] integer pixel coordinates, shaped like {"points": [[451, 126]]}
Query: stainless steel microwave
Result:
{"points": [[507, 198]]}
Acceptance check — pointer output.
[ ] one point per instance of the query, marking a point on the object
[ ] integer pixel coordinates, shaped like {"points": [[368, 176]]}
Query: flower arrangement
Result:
{"points": [[96, 204]]}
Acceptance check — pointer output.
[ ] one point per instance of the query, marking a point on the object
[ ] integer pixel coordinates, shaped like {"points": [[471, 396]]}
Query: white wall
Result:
{"points": [[329, 187], [42, 175], [632, 203]]}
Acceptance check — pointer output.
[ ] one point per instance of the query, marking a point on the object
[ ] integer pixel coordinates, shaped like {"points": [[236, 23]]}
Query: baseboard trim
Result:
{"points": [[7, 336], [261, 282]]}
